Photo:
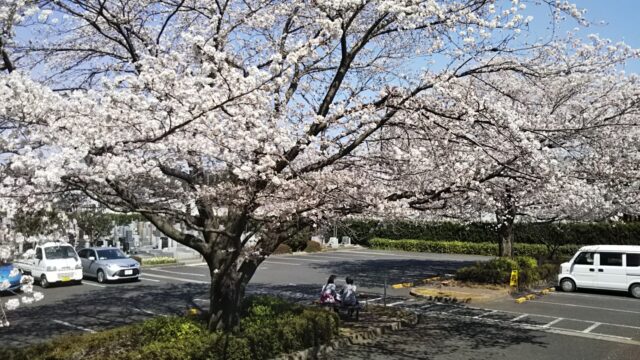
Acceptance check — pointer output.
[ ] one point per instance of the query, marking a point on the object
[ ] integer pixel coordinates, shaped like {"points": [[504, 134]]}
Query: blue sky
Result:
{"points": [[618, 20]]}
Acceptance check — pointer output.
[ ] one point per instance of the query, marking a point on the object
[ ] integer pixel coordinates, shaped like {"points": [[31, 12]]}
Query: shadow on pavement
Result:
{"points": [[97, 310], [372, 273], [438, 338]]}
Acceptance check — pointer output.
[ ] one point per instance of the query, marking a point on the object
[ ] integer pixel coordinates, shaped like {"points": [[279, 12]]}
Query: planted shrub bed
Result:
{"points": [[269, 327], [498, 271], [471, 248]]}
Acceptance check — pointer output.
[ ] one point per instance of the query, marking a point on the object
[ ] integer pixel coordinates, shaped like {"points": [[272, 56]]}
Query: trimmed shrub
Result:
{"points": [[282, 249], [158, 260], [313, 246], [498, 271], [535, 251]]}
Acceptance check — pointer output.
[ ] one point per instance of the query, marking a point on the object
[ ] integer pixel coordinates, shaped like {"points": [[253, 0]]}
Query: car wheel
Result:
{"points": [[44, 283], [635, 291], [101, 277], [78, 282], [567, 285]]}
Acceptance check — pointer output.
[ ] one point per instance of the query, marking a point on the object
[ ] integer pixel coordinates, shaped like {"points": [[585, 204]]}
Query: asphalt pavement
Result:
{"points": [[582, 325]]}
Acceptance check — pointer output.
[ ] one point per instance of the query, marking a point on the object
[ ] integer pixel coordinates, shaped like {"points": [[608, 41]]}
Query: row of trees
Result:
{"points": [[237, 117]]}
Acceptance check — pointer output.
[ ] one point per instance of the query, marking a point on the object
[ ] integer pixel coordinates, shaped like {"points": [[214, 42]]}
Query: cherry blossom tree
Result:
{"points": [[535, 145], [232, 117]]}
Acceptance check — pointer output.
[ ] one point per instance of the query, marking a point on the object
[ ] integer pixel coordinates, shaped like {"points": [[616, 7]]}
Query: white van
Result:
{"points": [[607, 267]]}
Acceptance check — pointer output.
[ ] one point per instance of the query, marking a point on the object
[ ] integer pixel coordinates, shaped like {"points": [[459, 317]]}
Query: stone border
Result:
{"points": [[441, 299], [533, 295], [351, 339]]}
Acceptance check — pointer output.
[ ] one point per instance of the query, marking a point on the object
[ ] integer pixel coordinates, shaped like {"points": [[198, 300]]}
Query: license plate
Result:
{"points": [[128, 272], [66, 278]]}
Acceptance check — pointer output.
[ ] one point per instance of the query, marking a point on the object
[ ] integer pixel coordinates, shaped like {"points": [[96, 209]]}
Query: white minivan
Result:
{"points": [[608, 267]]}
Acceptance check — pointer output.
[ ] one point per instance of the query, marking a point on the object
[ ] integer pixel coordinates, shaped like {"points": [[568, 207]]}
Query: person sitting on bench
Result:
{"points": [[348, 294], [329, 294]]}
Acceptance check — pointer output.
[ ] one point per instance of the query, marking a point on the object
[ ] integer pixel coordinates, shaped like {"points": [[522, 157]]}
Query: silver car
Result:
{"points": [[108, 263]]}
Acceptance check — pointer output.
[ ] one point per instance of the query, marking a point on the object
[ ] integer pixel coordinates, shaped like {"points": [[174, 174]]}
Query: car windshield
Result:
{"points": [[59, 252], [109, 254]]}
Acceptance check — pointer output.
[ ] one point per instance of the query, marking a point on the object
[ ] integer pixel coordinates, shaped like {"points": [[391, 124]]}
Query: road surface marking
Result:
{"points": [[73, 326], [605, 337], [175, 272], [593, 296], [520, 317], [176, 278], [196, 264], [92, 284], [145, 279], [395, 303], [595, 325], [487, 313], [585, 306], [547, 325], [280, 263], [372, 300]]}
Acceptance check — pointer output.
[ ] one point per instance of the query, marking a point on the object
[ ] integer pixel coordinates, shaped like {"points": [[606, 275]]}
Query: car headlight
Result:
{"points": [[113, 266], [51, 268]]}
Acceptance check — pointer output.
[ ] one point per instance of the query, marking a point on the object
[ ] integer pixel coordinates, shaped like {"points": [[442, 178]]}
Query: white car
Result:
{"points": [[607, 267], [52, 262]]}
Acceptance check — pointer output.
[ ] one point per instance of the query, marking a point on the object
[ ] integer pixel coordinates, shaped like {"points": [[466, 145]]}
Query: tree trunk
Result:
{"points": [[506, 239], [505, 232], [227, 293]]}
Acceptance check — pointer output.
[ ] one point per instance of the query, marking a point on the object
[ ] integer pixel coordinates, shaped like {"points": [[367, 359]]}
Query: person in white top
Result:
{"points": [[329, 295], [348, 293]]}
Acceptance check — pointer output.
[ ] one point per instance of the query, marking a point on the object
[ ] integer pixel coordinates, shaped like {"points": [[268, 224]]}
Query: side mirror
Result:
{"points": [[92, 258]]}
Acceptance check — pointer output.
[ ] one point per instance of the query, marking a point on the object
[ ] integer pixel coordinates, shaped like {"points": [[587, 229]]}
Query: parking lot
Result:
{"points": [[607, 319]]}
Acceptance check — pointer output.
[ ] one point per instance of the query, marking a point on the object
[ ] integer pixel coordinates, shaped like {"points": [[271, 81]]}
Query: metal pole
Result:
{"points": [[384, 296]]}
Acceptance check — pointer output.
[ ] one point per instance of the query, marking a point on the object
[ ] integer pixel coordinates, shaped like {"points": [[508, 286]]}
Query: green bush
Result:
{"points": [[551, 234], [158, 260], [313, 246], [282, 249], [498, 271], [536, 251], [269, 327]]}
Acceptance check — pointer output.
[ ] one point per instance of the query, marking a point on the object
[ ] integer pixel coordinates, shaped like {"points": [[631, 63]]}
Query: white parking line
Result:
{"points": [[547, 325], [484, 314], [196, 264], [520, 317], [595, 325], [593, 296], [605, 337], [175, 278], [396, 303], [92, 284], [145, 279], [585, 306], [73, 326], [176, 272]]}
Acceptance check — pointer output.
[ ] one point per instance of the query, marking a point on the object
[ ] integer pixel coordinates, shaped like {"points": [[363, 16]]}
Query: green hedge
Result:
{"points": [[268, 327], [470, 248], [498, 271], [555, 233]]}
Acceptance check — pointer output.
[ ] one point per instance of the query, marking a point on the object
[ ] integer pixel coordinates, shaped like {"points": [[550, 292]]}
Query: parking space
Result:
{"points": [[617, 320]]}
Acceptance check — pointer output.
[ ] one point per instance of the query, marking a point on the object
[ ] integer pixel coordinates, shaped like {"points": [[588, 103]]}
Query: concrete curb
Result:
{"points": [[352, 339], [533, 295]]}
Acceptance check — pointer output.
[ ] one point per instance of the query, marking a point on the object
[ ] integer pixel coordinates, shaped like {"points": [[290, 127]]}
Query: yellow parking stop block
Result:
{"points": [[521, 300]]}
